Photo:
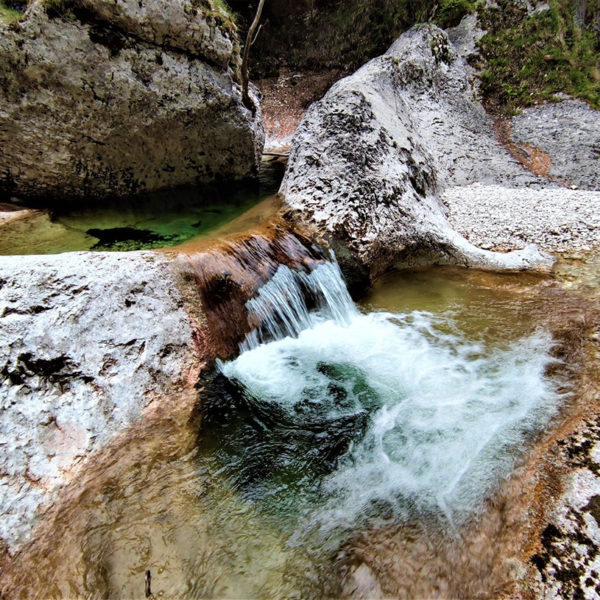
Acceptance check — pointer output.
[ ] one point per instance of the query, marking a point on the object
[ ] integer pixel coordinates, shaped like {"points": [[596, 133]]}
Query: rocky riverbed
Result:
{"points": [[557, 220], [398, 165]]}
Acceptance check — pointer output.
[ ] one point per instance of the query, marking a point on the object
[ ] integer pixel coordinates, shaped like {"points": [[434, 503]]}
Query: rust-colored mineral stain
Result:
{"points": [[226, 272], [531, 158]]}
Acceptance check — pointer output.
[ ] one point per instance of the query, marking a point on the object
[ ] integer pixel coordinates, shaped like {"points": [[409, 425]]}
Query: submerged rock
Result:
{"points": [[99, 98], [369, 160], [127, 238]]}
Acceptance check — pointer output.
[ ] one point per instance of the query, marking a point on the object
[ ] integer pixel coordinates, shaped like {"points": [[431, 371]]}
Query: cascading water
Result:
{"points": [[282, 307], [343, 420], [330, 458]]}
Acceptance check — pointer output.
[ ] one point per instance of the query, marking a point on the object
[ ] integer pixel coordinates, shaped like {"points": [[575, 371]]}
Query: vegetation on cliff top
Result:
{"points": [[10, 11], [527, 59]]}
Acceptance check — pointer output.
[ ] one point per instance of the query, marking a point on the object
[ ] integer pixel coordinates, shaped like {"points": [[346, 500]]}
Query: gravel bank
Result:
{"points": [[504, 218]]}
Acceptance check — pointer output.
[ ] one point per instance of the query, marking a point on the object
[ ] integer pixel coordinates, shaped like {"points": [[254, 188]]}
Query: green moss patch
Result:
{"points": [[219, 11], [451, 12], [527, 59], [11, 12]]}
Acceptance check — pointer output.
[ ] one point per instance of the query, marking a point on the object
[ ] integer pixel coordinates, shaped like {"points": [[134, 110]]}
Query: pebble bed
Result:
{"points": [[502, 218]]}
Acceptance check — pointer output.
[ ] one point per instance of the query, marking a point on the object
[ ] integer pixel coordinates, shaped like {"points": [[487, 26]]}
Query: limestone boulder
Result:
{"points": [[369, 160], [116, 98], [87, 343]]}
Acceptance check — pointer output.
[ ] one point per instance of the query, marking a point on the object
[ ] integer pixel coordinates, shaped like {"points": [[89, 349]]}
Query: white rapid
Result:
{"points": [[440, 419], [283, 306]]}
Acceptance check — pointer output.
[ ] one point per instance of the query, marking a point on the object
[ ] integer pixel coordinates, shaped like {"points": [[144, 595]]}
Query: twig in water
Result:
{"points": [[148, 584]]}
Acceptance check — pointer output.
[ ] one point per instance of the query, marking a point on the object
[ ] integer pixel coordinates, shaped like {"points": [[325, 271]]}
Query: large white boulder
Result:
{"points": [[368, 160]]}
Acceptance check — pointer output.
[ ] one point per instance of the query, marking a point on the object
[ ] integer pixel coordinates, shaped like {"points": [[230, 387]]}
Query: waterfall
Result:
{"points": [[283, 306], [364, 414]]}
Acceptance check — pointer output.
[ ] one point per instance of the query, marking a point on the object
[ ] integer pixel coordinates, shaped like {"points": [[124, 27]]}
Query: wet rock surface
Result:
{"points": [[112, 99], [87, 341], [567, 564], [95, 344], [569, 132], [370, 158]]}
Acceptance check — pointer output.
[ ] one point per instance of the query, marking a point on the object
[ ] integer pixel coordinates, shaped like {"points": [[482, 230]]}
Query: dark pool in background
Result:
{"points": [[157, 220]]}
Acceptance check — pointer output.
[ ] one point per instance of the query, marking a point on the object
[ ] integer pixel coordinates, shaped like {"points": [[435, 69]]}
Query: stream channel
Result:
{"points": [[156, 220], [340, 432]]}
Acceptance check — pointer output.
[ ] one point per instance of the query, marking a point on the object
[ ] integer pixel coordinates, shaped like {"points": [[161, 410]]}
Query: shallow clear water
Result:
{"points": [[381, 429], [157, 220]]}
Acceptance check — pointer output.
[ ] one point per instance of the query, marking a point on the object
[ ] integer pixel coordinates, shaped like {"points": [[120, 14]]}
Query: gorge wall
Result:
{"points": [[111, 99]]}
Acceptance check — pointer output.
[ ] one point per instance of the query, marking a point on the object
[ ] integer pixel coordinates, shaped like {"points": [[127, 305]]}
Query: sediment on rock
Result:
{"points": [[102, 99], [369, 160], [569, 133], [230, 272], [87, 342]]}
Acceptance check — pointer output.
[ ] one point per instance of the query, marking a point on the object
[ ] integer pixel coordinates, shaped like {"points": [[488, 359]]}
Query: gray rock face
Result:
{"points": [[567, 561], [116, 98], [569, 132], [174, 25], [87, 341], [465, 36], [369, 159], [446, 118]]}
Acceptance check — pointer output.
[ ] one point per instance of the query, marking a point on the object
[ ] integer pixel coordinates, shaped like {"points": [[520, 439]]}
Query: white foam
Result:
{"points": [[448, 416]]}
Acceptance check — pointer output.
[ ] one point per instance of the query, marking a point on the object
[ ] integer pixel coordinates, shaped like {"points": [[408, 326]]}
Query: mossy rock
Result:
{"points": [[11, 12]]}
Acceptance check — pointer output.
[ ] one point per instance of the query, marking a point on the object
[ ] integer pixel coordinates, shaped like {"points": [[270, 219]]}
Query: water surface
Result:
{"points": [[156, 220], [341, 436]]}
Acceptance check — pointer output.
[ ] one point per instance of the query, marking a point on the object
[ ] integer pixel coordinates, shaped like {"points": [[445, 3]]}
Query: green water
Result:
{"points": [[155, 220], [479, 305]]}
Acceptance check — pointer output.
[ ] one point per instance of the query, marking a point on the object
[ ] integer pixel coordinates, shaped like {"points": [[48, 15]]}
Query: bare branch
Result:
{"points": [[257, 34], [245, 96]]}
